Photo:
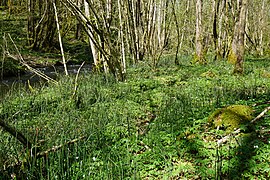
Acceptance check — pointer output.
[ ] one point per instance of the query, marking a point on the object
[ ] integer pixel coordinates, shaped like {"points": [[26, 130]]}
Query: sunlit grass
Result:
{"points": [[152, 126]]}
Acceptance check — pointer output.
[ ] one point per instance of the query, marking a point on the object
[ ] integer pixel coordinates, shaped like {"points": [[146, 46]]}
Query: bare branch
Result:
{"points": [[56, 148]]}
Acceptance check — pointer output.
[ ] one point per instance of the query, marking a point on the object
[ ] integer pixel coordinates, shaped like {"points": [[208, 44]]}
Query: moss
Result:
{"points": [[265, 74], [232, 58], [208, 74], [231, 117], [199, 59]]}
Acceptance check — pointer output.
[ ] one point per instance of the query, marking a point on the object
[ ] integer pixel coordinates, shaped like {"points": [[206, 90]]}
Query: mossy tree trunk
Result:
{"points": [[237, 51]]}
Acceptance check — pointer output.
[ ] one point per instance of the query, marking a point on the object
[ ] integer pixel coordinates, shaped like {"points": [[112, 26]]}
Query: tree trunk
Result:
{"points": [[92, 45], [30, 22], [261, 29], [215, 28], [199, 55], [236, 55], [121, 34], [60, 39]]}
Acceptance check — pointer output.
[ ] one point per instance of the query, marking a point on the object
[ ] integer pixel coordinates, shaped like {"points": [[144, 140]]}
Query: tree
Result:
{"points": [[236, 55], [102, 29], [199, 44], [41, 27]]}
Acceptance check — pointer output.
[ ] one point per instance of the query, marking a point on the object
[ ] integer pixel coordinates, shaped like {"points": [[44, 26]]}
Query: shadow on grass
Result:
{"points": [[186, 120]]}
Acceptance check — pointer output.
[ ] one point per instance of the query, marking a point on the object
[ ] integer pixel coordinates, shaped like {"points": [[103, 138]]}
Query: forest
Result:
{"points": [[134, 89]]}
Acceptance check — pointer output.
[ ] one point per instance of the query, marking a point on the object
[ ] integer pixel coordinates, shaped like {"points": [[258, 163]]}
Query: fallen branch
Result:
{"points": [[261, 114], [27, 144], [22, 61], [260, 103], [56, 148], [226, 138], [18, 135]]}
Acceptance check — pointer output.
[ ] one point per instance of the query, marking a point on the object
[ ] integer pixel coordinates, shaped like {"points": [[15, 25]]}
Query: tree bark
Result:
{"points": [[236, 55], [92, 45], [60, 39], [199, 55], [121, 34]]}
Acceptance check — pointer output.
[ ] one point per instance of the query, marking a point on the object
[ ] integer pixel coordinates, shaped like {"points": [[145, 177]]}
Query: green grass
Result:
{"points": [[153, 126]]}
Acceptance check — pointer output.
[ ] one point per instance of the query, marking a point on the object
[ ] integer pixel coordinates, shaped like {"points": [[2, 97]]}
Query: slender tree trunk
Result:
{"points": [[215, 28], [121, 34], [30, 21], [184, 24], [135, 19], [222, 34], [199, 55], [92, 45], [60, 39], [261, 29], [78, 33], [176, 61]]}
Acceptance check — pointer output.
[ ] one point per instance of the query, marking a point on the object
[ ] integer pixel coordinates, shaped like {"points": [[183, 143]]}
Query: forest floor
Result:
{"points": [[153, 126]]}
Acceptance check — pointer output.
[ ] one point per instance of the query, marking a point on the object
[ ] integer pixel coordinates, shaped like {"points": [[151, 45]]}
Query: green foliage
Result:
{"points": [[208, 74], [11, 67], [153, 126]]}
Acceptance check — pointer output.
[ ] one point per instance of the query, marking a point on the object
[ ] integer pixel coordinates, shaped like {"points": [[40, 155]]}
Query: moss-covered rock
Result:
{"points": [[231, 117]]}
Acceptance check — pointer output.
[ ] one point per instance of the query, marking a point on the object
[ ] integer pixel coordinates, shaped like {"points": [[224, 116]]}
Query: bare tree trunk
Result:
{"points": [[221, 35], [199, 55], [30, 21], [136, 18], [60, 39], [92, 45], [236, 55], [176, 61], [261, 29], [215, 28], [78, 33], [184, 24], [121, 34]]}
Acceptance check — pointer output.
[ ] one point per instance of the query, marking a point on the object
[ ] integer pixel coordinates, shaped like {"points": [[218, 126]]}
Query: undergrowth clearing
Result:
{"points": [[153, 126]]}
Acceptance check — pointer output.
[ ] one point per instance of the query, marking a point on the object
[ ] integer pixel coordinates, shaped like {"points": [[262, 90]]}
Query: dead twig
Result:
{"points": [[76, 80], [260, 103], [261, 114]]}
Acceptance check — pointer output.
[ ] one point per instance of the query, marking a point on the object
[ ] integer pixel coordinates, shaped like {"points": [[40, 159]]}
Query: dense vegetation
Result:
{"points": [[147, 109], [153, 126]]}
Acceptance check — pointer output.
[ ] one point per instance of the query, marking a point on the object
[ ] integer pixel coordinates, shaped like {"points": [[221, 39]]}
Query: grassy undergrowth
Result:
{"points": [[153, 126]]}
